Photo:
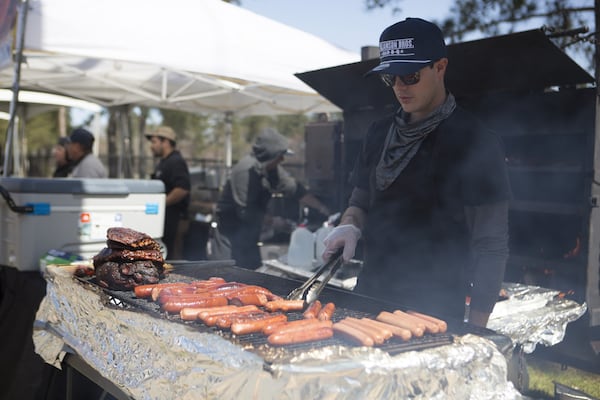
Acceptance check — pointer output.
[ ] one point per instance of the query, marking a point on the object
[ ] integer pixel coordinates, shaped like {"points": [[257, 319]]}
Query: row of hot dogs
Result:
{"points": [[245, 309]]}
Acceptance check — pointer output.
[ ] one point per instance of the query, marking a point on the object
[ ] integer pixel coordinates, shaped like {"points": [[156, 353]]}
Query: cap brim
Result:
{"points": [[397, 68]]}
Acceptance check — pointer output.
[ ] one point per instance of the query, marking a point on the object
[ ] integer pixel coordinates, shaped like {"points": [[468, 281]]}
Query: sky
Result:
{"points": [[345, 23]]}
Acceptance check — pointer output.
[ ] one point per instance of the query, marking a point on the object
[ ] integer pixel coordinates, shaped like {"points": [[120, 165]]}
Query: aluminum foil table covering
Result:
{"points": [[534, 315], [153, 358]]}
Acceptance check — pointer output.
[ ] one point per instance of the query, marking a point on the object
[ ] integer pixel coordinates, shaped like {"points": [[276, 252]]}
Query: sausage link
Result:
{"points": [[379, 335], [165, 298], [145, 291], [157, 293], [402, 333], [352, 334], [257, 299], [440, 323], [175, 306], [301, 324], [302, 336], [393, 319], [209, 317], [225, 321], [212, 281], [312, 310], [326, 312], [191, 313], [244, 326], [372, 333], [427, 326], [284, 305]]}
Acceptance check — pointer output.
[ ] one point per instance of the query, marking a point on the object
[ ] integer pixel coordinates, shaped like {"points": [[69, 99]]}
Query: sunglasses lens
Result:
{"points": [[388, 79], [411, 79]]}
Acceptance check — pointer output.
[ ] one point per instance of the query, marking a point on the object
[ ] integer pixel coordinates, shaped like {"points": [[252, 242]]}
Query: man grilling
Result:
{"points": [[431, 192]]}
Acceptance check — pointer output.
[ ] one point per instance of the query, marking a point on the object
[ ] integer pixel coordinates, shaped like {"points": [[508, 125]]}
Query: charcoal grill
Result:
{"points": [[348, 304]]}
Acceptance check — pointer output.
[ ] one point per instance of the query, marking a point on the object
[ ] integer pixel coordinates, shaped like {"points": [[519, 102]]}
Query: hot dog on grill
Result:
{"points": [[212, 281], [442, 325], [373, 333], [191, 313], [145, 291], [301, 324], [352, 334], [326, 312], [393, 319], [378, 334], [209, 317], [428, 326], [175, 306], [257, 299], [299, 336], [284, 305], [402, 333], [244, 326], [225, 321], [158, 292], [312, 310]]}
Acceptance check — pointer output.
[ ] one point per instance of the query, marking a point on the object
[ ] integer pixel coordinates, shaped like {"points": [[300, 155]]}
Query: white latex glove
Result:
{"points": [[345, 236]]}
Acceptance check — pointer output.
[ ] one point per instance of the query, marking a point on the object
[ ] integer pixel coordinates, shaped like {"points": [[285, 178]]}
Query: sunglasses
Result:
{"points": [[408, 80]]}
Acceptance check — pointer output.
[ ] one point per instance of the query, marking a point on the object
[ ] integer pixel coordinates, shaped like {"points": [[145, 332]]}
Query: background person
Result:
{"points": [[431, 191], [173, 171], [243, 203], [62, 164], [79, 151]]}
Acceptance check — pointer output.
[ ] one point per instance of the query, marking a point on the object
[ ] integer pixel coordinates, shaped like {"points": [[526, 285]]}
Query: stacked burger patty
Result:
{"points": [[132, 258]]}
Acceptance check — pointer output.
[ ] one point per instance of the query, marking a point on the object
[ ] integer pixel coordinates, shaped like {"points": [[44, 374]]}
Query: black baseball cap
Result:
{"points": [[409, 45], [83, 137]]}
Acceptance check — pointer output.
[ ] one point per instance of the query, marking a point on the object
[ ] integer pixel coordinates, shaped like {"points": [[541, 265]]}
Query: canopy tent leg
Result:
{"points": [[21, 21]]}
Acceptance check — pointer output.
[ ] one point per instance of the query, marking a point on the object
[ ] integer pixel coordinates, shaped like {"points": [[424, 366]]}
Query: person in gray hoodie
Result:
{"points": [[243, 202]]}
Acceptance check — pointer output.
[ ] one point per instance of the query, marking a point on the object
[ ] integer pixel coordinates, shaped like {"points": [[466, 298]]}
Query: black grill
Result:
{"points": [[348, 304]]}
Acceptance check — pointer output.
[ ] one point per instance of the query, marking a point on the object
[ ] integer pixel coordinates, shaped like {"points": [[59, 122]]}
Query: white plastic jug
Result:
{"points": [[301, 251], [320, 235]]}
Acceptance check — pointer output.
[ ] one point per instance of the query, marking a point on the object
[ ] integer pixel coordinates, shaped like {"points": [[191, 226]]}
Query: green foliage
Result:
{"points": [[496, 17], [543, 374], [42, 131], [188, 126]]}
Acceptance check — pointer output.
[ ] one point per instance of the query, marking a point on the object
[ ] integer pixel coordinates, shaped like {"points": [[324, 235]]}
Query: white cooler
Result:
{"points": [[73, 215]]}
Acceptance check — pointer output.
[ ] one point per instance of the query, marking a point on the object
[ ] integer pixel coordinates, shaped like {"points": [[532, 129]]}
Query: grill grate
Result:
{"points": [[257, 343]]}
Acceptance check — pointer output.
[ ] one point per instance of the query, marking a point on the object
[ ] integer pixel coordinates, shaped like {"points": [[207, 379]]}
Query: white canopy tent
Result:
{"points": [[203, 56]]}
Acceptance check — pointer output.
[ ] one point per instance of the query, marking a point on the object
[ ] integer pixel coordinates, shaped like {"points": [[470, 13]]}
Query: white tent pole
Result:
{"points": [[228, 129], [23, 7]]}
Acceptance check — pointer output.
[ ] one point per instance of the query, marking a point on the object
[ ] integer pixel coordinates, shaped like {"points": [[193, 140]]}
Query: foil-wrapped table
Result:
{"points": [[152, 358]]}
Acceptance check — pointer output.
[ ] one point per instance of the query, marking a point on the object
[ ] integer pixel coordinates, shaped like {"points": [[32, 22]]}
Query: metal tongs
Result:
{"points": [[310, 290]]}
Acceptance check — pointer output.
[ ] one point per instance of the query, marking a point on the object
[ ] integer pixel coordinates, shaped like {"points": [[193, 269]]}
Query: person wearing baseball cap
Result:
{"points": [[242, 205], [79, 151], [431, 192], [172, 170]]}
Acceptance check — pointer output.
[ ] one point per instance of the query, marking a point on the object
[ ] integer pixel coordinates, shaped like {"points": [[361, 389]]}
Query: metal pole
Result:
{"points": [[23, 7], [228, 131]]}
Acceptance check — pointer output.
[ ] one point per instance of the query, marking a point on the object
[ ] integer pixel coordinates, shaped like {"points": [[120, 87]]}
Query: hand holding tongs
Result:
{"points": [[311, 289]]}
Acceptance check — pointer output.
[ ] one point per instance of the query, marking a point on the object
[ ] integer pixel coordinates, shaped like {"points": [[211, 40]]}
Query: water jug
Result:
{"points": [[320, 235], [301, 251]]}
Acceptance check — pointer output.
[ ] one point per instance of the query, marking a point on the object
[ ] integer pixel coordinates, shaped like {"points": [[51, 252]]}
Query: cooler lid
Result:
{"points": [[117, 187]]}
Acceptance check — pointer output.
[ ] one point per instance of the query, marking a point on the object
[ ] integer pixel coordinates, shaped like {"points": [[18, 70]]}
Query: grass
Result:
{"points": [[543, 374]]}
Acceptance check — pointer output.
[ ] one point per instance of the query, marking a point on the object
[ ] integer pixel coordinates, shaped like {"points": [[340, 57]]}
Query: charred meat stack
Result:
{"points": [[131, 259]]}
